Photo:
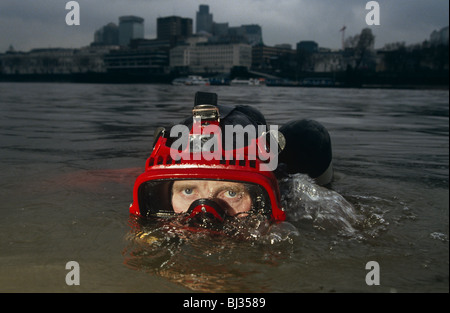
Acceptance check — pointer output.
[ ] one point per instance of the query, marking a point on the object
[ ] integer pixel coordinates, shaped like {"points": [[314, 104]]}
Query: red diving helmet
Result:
{"points": [[201, 155]]}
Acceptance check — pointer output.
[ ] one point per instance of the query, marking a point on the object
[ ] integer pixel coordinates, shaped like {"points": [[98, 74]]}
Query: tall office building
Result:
{"points": [[107, 35], [253, 33], [204, 20], [130, 27], [173, 28]]}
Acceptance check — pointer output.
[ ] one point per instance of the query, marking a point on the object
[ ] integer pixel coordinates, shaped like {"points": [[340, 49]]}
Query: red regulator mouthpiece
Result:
{"points": [[204, 212]]}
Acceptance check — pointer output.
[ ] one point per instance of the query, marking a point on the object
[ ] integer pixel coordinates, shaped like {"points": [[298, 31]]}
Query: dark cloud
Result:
{"points": [[41, 23]]}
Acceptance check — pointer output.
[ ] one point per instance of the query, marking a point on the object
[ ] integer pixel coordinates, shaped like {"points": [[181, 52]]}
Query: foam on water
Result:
{"points": [[304, 200]]}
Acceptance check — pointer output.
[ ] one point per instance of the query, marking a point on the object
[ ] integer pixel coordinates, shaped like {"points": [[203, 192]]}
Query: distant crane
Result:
{"points": [[343, 36]]}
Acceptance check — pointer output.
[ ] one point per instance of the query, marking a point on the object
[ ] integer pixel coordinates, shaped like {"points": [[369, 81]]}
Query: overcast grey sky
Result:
{"points": [[28, 24]]}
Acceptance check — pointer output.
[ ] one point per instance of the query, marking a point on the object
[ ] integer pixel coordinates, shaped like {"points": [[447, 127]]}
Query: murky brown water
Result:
{"points": [[70, 154]]}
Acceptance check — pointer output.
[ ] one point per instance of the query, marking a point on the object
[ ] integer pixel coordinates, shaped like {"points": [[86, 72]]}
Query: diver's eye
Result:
{"points": [[231, 194], [187, 191]]}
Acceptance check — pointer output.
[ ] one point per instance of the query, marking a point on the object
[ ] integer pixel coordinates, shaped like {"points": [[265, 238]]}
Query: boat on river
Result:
{"points": [[246, 82], [192, 80]]}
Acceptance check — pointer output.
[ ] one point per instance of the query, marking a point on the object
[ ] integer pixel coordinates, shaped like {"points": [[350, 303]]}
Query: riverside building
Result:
{"points": [[210, 58]]}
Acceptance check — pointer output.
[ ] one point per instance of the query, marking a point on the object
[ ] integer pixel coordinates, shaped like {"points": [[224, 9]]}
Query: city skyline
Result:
{"points": [[41, 24]]}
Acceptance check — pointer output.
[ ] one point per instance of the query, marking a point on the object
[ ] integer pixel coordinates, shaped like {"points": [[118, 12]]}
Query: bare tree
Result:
{"points": [[362, 45]]}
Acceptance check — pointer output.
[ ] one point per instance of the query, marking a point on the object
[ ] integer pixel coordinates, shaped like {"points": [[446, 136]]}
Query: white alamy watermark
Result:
{"points": [[373, 276], [205, 143], [373, 17], [73, 276], [73, 17]]}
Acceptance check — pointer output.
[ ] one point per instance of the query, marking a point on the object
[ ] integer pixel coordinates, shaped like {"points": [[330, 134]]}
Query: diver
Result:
{"points": [[209, 178]]}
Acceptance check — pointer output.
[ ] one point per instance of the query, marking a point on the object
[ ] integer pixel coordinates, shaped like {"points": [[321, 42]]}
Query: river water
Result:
{"points": [[70, 154]]}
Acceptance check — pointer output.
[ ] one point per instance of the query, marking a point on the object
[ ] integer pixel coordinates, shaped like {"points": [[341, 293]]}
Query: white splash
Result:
{"points": [[304, 200]]}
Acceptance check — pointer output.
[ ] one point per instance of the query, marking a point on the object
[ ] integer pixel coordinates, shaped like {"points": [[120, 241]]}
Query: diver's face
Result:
{"points": [[234, 195]]}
